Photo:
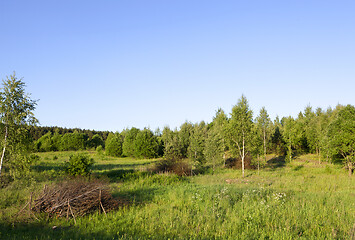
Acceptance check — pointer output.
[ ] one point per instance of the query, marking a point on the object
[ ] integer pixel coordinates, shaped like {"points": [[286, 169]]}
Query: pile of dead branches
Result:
{"points": [[75, 198]]}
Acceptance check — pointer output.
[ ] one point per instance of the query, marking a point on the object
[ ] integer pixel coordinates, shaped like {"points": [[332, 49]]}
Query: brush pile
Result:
{"points": [[75, 198]]}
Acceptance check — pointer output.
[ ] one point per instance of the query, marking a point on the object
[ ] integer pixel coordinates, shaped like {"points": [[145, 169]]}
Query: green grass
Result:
{"points": [[298, 200]]}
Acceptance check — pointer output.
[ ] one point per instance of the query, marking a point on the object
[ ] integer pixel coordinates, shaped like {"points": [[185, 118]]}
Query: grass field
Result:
{"points": [[299, 200]]}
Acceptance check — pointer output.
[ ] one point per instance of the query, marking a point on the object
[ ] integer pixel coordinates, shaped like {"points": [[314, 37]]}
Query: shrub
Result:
{"points": [[178, 167], [237, 163], [113, 145], [79, 165], [34, 158], [100, 150]]}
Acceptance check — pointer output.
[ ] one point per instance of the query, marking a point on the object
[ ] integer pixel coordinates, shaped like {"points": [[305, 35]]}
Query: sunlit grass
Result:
{"points": [[301, 199]]}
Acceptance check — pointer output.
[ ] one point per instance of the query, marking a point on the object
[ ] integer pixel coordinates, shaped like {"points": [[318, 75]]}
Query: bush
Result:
{"points": [[78, 165], [113, 145], [178, 167], [100, 150], [237, 163]]}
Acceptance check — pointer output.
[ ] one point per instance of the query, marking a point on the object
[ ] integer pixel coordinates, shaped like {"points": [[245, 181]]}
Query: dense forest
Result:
{"points": [[238, 134]]}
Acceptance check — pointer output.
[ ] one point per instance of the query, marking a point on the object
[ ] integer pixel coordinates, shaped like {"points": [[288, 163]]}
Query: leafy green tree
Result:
{"points": [[73, 141], [159, 137], [239, 129], [310, 131], [342, 135], [172, 144], [197, 143], [56, 140], [291, 135], [96, 141], [16, 113], [185, 133], [79, 165], [113, 145], [215, 145], [257, 147], [128, 142], [146, 144], [263, 128], [45, 143], [276, 137]]}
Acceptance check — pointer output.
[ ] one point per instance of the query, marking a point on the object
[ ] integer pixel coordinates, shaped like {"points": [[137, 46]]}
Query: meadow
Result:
{"points": [[297, 200]]}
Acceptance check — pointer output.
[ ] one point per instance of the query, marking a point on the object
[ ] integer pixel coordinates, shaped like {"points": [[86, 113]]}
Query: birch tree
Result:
{"points": [[16, 112], [263, 124], [342, 136], [239, 129]]}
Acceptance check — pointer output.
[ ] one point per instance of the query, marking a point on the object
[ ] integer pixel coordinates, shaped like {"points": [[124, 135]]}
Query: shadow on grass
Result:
{"points": [[118, 165], [119, 175], [46, 231], [276, 162], [297, 168], [137, 196], [41, 167]]}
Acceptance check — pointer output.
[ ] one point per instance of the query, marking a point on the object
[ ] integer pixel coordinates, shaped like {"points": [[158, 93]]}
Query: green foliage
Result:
{"points": [[276, 138], [128, 146], [113, 145], [184, 134], [239, 129], [16, 113], [172, 144], [73, 141], [197, 143], [342, 135], [263, 131], [215, 145], [146, 144], [100, 150], [79, 165], [291, 134], [45, 143], [96, 141]]}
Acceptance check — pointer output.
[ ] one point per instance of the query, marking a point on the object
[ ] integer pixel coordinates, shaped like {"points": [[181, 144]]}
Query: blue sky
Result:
{"points": [[108, 65]]}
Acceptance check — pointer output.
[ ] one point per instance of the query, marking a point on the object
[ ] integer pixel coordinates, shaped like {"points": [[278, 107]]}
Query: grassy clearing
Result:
{"points": [[302, 200]]}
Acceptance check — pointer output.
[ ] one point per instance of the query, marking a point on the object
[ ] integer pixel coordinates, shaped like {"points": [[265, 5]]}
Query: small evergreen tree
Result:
{"points": [[146, 144], [113, 145], [79, 165], [128, 147]]}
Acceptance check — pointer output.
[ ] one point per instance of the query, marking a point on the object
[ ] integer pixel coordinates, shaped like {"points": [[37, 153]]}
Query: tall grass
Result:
{"points": [[301, 200]]}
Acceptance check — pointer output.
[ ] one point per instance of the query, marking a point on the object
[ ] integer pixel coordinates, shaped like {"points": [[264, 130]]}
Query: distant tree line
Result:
{"points": [[38, 131], [330, 134]]}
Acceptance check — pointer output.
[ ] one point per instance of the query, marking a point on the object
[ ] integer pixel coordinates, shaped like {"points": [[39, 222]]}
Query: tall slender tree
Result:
{"points": [[263, 124], [197, 143], [291, 135], [239, 129], [16, 112]]}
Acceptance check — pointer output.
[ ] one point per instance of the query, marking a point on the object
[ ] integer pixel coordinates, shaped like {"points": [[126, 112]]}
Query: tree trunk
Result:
{"points": [[224, 160], [3, 150], [265, 145], [258, 164], [243, 155], [350, 166]]}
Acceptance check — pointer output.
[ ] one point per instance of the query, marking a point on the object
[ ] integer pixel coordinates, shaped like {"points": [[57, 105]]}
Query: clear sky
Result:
{"points": [[108, 65]]}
